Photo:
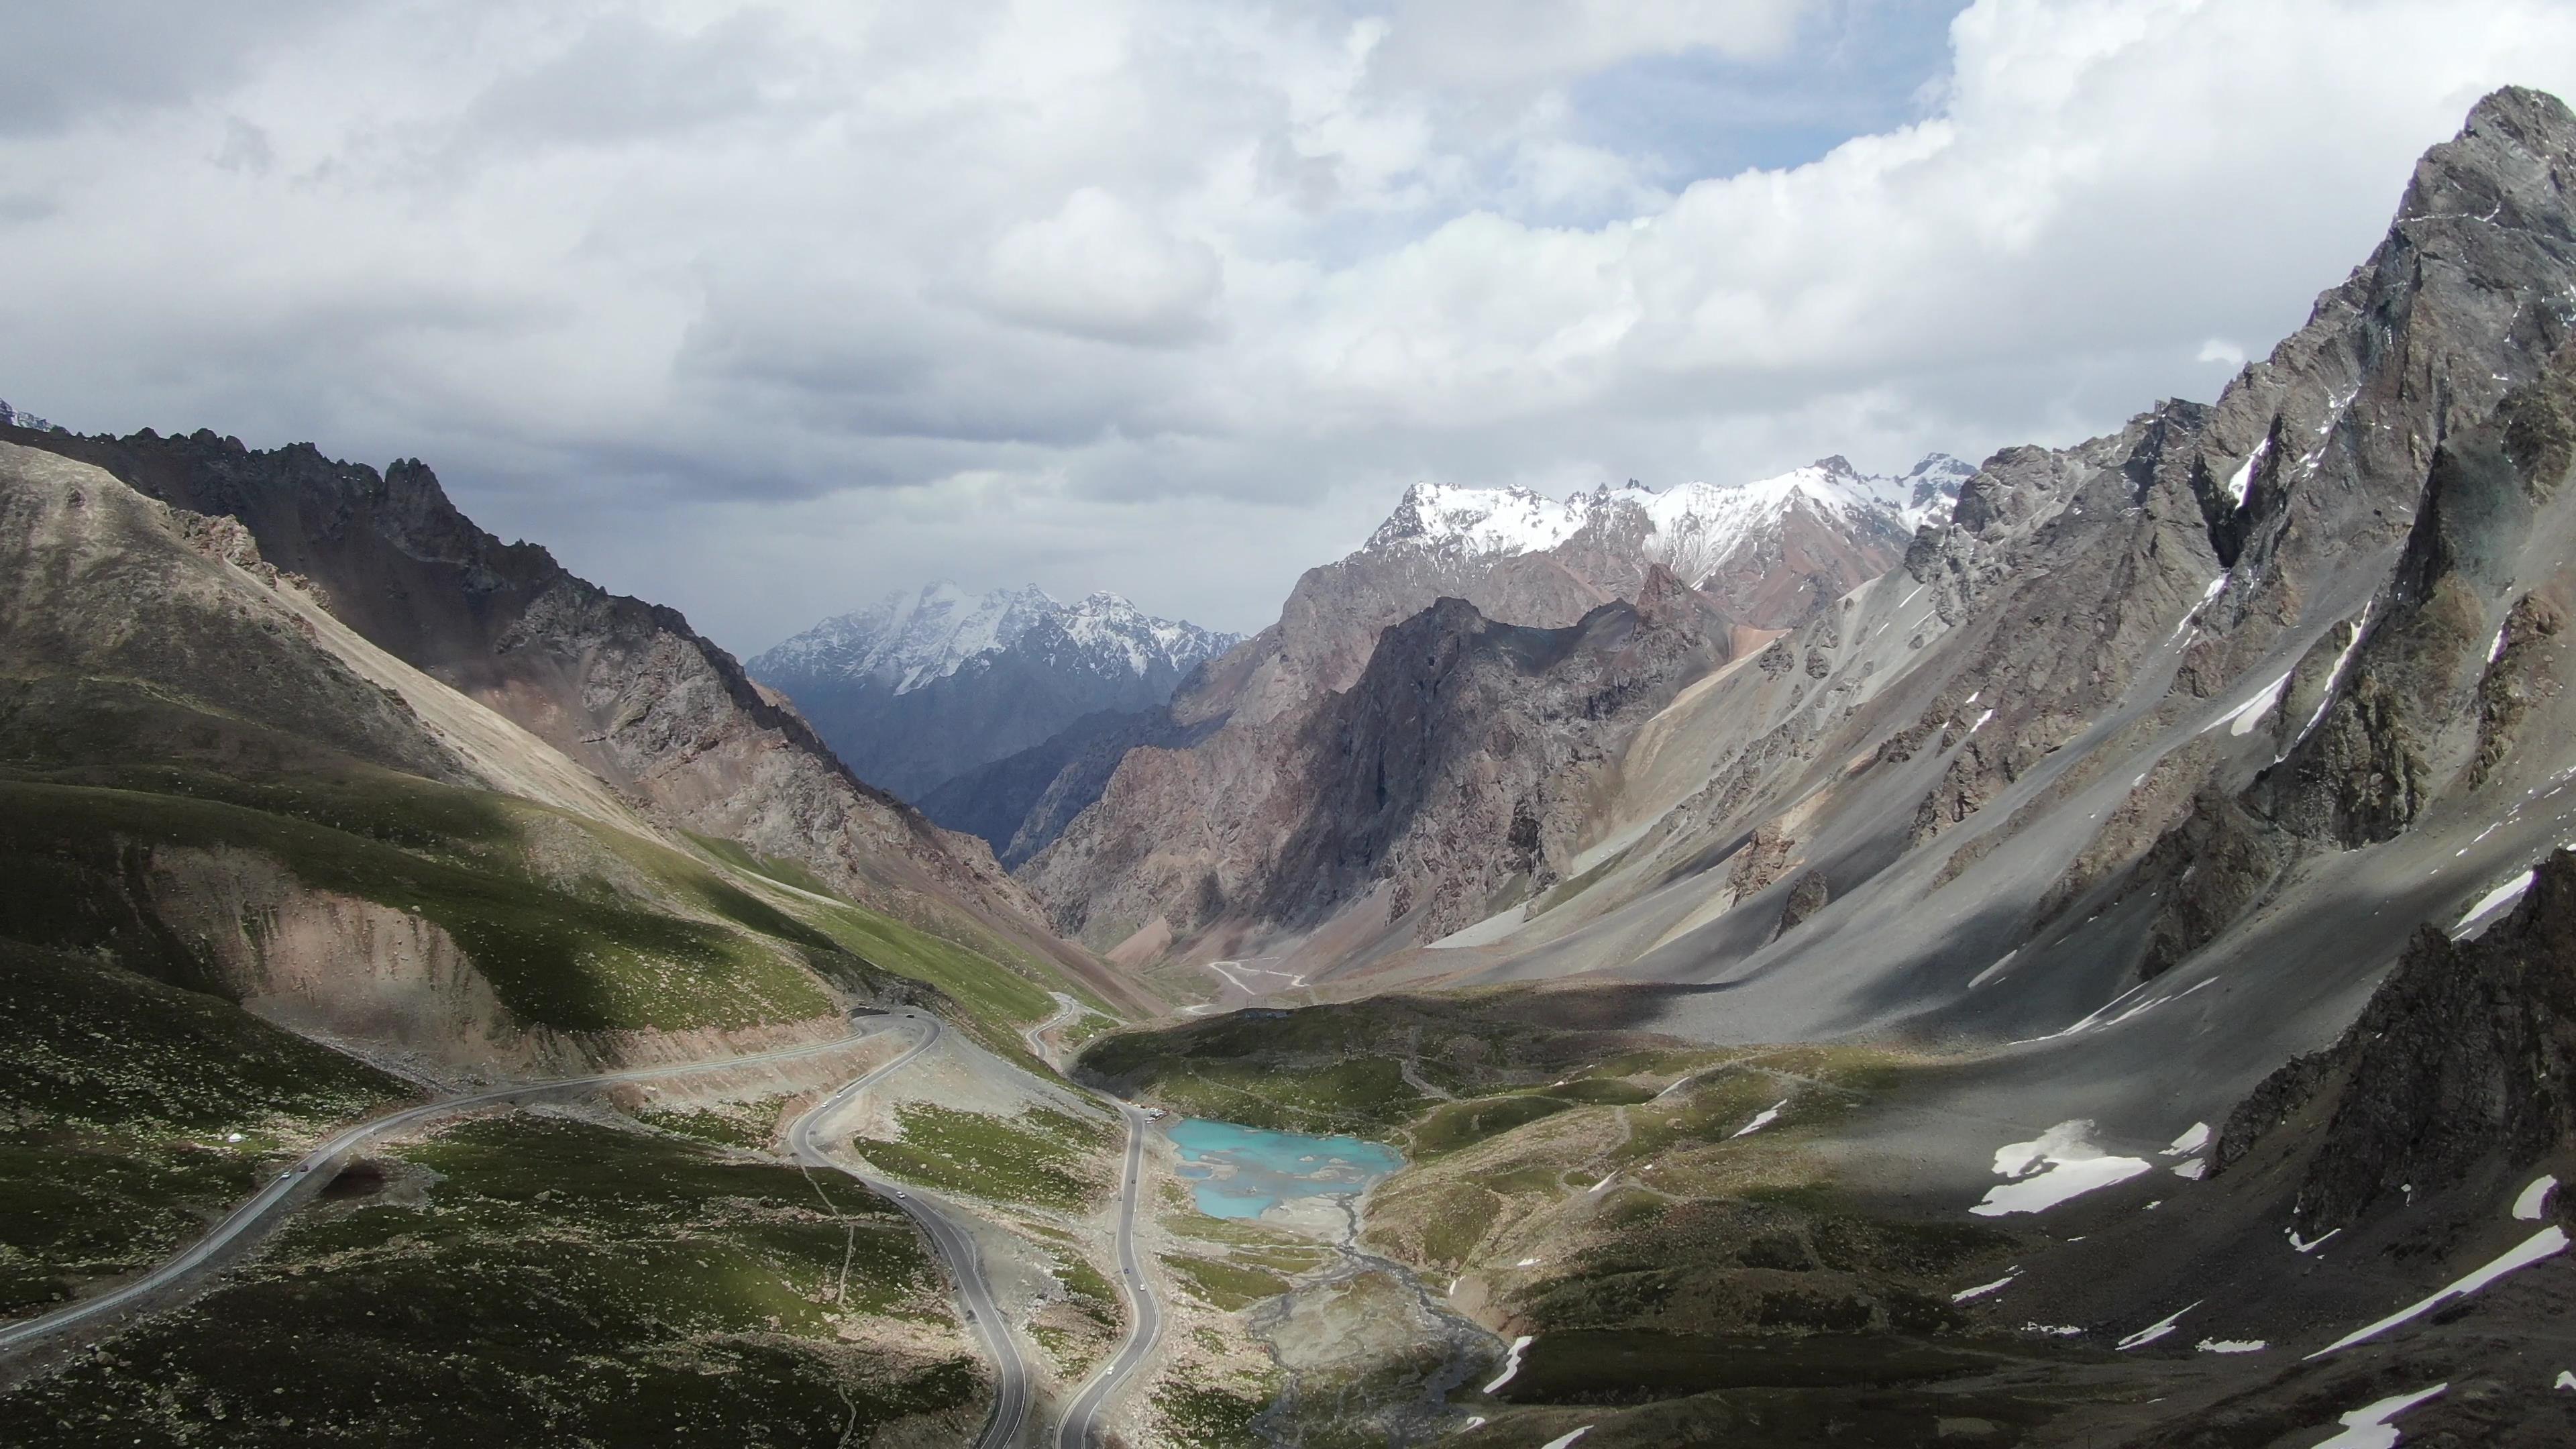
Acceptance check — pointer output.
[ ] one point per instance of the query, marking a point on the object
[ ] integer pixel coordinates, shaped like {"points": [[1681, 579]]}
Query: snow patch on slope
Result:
{"points": [[2059, 1164]]}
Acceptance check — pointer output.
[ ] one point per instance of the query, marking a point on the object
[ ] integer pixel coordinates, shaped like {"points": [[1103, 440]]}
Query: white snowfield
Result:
{"points": [[2242, 481], [1982, 1289], [2368, 1428], [1562, 1440], [2535, 1198], [2194, 1138], [2059, 1164], [2493, 904], [2242, 719]]}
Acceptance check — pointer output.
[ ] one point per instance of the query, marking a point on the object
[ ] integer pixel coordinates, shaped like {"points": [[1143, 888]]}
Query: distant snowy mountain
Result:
{"points": [[13, 418], [1932, 488], [919, 687], [1769, 550], [1692, 529]]}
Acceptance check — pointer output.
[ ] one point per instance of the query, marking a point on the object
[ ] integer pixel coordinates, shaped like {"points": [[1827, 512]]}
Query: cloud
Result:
{"points": [[765, 308], [64, 64], [1099, 269]]}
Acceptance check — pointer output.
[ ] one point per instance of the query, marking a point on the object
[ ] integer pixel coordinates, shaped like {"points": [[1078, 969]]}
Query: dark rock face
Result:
{"points": [[1808, 894], [2466, 1052], [621, 686], [1457, 763]]}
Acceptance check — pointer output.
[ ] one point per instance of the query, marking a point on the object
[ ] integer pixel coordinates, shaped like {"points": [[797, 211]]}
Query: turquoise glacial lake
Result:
{"points": [[1243, 1172]]}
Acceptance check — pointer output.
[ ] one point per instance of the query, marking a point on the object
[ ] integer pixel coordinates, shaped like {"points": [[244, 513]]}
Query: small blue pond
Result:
{"points": [[1243, 1172]]}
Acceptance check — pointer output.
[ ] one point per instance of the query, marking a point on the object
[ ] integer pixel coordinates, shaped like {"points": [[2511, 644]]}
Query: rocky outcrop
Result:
{"points": [[1808, 894], [2466, 1054], [2407, 432]]}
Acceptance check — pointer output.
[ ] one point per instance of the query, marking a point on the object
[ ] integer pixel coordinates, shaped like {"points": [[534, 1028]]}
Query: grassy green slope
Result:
{"points": [[578, 958], [531, 1281], [120, 1095]]}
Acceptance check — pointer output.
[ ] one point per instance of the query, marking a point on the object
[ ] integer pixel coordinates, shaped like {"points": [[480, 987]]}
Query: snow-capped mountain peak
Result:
{"points": [[12, 417], [907, 640], [1692, 527]]}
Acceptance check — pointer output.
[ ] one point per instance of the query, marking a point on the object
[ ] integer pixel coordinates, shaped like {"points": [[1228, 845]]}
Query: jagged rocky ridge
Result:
{"points": [[924, 687], [623, 687]]}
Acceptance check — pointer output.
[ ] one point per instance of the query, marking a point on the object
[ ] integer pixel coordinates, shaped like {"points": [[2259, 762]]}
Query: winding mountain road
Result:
{"points": [[1067, 1010], [945, 1227], [1080, 1419], [944, 1224], [246, 1222]]}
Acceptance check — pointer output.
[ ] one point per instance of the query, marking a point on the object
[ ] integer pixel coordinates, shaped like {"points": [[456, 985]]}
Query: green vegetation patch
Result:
{"points": [[1454, 1125], [86, 1043], [1000, 995], [1364, 1097], [785, 872], [1089, 1290], [1341, 1067], [563, 1283], [576, 961], [1227, 1286], [117, 1096], [1206, 1417], [1044, 1157], [748, 1125]]}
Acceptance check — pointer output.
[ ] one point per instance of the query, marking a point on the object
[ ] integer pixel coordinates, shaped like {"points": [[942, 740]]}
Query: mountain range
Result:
{"points": [[2076, 948], [1767, 551], [926, 686]]}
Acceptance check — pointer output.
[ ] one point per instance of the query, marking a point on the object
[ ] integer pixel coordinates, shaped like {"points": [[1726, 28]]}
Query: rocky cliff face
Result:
{"points": [[1459, 765], [923, 688], [619, 685], [2464, 1060]]}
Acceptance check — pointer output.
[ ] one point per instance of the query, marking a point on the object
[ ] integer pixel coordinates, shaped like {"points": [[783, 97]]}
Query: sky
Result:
{"points": [[764, 310]]}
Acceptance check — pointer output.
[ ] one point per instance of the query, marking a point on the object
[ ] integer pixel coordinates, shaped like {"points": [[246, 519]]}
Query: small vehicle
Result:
{"points": [[1155, 1114], [899, 1192]]}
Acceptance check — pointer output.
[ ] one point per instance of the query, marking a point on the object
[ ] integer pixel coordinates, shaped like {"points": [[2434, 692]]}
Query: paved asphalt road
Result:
{"points": [[1066, 1009], [945, 1226], [1079, 1420], [272, 1200]]}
